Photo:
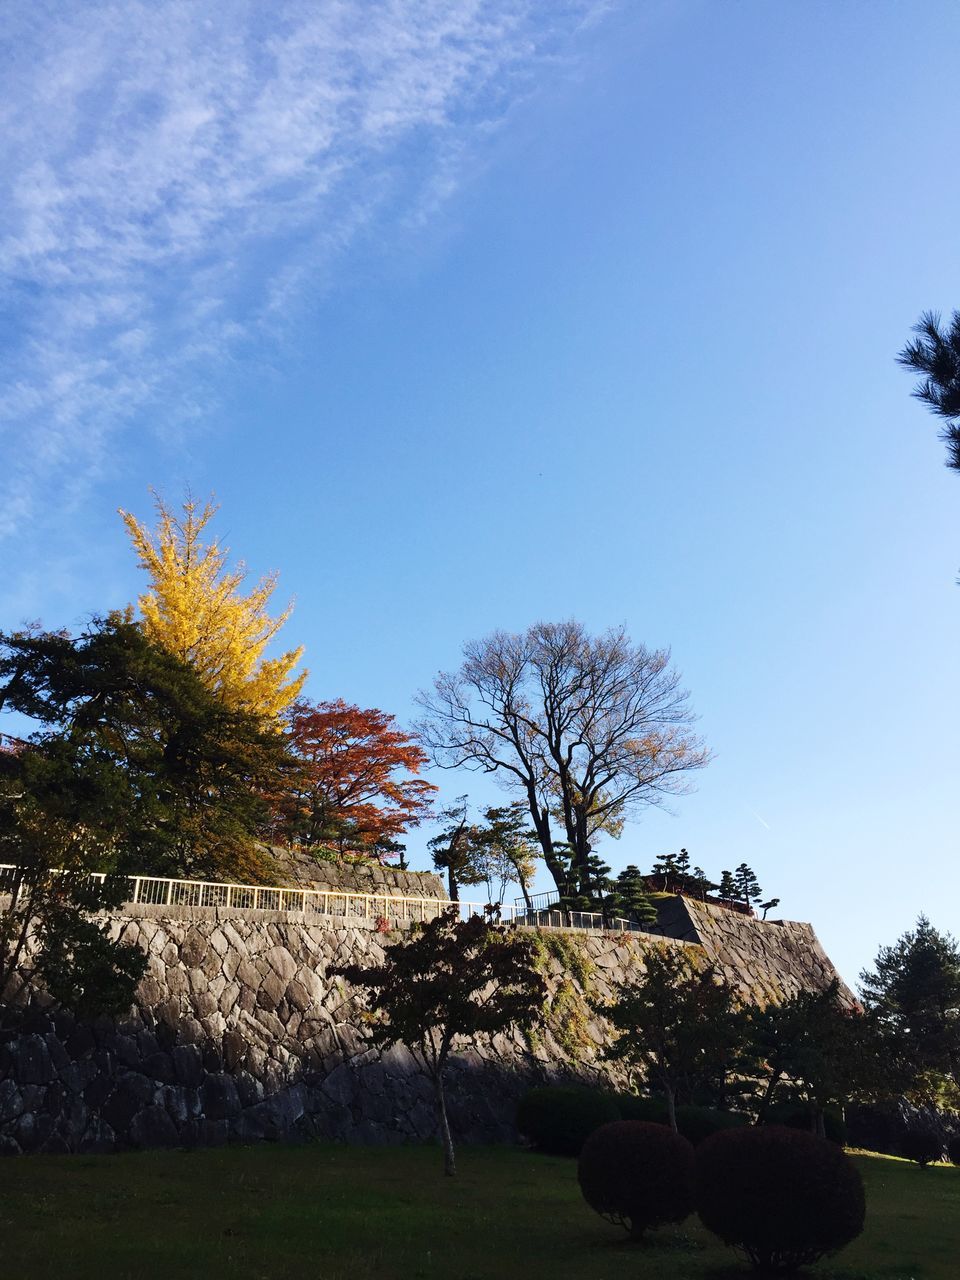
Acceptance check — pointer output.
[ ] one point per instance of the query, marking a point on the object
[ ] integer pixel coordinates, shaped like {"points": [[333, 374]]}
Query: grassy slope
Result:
{"points": [[346, 1212]]}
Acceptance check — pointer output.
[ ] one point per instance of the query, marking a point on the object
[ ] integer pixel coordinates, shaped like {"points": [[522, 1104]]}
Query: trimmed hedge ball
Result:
{"points": [[558, 1119], [782, 1196], [638, 1175]]}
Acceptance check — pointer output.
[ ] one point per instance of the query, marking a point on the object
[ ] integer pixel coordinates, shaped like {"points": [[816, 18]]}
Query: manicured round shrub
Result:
{"points": [[797, 1115], [953, 1149], [923, 1146], [557, 1119], [637, 1175], [782, 1196]]}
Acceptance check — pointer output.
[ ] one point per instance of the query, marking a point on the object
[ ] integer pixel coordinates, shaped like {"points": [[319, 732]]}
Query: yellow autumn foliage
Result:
{"points": [[196, 610]]}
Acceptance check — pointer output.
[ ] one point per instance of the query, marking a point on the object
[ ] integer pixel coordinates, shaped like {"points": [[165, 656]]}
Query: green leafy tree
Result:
{"points": [[452, 978], [727, 888], [678, 1024], [815, 1049], [914, 992], [935, 354], [506, 851]]}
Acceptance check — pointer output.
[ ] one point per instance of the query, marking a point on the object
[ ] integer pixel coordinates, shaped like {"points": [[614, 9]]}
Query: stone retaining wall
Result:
{"points": [[239, 1034]]}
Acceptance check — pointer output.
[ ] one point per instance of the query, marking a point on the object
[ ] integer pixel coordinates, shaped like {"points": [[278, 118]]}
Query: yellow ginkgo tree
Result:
{"points": [[196, 609]]}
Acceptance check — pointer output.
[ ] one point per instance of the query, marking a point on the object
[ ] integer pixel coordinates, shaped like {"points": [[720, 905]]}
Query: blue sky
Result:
{"points": [[475, 314]]}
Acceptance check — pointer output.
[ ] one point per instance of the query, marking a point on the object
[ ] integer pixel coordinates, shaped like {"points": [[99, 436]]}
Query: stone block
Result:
{"points": [[153, 1127]]}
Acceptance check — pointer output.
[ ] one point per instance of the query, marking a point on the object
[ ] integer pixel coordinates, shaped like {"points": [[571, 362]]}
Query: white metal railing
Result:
{"points": [[394, 909]]}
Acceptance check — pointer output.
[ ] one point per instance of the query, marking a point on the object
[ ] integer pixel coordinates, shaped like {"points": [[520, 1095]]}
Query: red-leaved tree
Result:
{"points": [[359, 788]]}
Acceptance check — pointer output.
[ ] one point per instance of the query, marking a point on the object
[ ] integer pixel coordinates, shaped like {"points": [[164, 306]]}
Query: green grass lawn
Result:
{"points": [[338, 1213]]}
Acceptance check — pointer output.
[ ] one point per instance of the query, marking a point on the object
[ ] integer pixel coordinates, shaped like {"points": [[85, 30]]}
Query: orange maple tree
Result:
{"points": [[359, 787]]}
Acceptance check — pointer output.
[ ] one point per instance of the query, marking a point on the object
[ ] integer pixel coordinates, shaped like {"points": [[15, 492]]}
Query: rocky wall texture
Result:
{"points": [[297, 869], [764, 959], [239, 1034]]}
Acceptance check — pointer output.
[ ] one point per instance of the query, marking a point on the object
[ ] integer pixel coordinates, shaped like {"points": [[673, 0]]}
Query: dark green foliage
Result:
{"points": [[133, 758], [785, 1198], [631, 889], [678, 1024], [914, 994], [953, 1149], [801, 1115], [558, 1119], [693, 1123], [81, 966], [814, 1051], [637, 1175], [922, 1146], [747, 885], [873, 1127], [935, 355], [74, 957], [728, 887], [635, 1106], [450, 978]]}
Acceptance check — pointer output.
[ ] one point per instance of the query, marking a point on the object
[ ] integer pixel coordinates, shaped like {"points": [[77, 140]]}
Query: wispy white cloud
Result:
{"points": [[176, 174]]}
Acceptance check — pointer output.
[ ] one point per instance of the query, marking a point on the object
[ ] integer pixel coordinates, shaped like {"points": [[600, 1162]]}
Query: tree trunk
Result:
{"points": [[453, 889], [449, 1160], [672, 1109]]}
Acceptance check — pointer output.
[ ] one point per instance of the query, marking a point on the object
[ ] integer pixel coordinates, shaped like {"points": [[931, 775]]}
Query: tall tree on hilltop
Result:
{"points": [[359, 787], [588, 729], [747, 885], [196, 609], [935, 355]]}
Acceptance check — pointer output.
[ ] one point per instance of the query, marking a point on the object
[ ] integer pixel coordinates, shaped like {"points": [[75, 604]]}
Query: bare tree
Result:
{"points": [[588, 729]]}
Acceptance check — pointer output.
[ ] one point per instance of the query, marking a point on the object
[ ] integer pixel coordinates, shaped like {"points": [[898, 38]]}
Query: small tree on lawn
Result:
{"points": [[677, 1023], [452, 978]]}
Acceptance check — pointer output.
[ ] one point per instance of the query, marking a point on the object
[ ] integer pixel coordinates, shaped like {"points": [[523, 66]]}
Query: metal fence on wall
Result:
{"points": [[393, 909]]}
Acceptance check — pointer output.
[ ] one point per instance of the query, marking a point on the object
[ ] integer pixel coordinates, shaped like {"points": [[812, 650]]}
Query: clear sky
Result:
{"points": [[474, 314]]}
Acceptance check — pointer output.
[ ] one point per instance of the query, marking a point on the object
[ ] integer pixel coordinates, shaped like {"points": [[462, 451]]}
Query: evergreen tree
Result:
{"points": [[914, 991], [747, 886], [700, 884], [454, 848], [935, 355], [632, 889], [727, 887]]}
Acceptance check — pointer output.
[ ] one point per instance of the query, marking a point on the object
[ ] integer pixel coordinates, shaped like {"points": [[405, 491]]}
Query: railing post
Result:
{"points": [[136, 889]]}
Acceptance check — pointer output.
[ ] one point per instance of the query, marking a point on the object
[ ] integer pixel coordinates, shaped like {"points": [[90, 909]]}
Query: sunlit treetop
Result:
{"points": [[195, 608]]}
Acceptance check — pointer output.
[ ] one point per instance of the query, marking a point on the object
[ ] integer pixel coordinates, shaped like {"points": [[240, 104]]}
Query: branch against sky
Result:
{"points": [[588, 729], [177, 177]]}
